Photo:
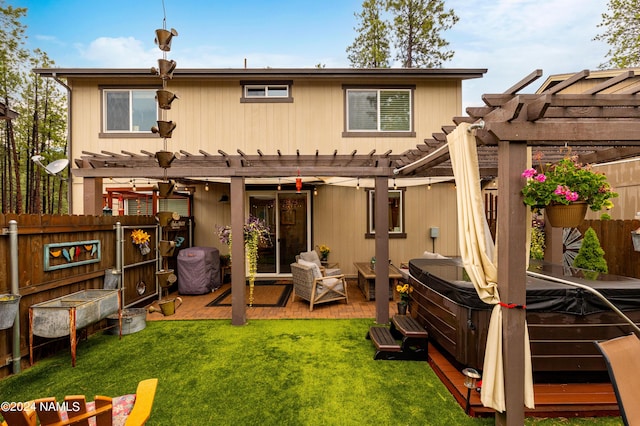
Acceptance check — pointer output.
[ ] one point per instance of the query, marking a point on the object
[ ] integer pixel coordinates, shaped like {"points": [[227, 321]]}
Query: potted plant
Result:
{"points": [[404, 290], [141, 239], [591, 256], [324, 252], [570, 186]]}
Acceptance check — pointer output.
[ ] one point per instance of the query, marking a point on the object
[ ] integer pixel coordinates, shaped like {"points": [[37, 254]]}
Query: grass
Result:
{"points": [[269, 372]]}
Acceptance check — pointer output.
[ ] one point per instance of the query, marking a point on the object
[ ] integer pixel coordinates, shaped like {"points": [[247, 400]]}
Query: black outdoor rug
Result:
{"points": [[265, 294]]}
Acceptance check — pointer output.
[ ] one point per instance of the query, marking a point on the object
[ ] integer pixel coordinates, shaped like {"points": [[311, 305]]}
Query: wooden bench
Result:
{"points": [[386, 345]]}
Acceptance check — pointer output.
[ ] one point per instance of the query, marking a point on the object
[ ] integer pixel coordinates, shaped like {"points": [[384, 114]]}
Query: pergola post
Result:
{"points": [[92, 195], [553, 244], [238, 302], [382, 249], [511, 236]]}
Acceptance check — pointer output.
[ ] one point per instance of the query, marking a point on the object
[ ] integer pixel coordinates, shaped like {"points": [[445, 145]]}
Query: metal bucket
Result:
{"points": [[133, 320], [9, 305]]}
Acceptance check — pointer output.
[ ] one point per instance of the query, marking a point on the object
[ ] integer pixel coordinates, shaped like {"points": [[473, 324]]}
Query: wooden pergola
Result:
{"points": [[599, 124]]}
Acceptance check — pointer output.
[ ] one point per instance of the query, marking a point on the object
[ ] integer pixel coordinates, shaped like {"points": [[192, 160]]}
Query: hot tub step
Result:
{"points": [[386, 345]]}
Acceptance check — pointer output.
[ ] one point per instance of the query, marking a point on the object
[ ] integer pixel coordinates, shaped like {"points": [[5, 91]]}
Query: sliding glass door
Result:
{"points": [[288, 216]]}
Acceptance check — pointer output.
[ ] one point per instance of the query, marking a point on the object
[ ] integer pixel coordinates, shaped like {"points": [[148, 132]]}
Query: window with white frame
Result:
{"points": [[396, 227], [379, 110], [266, 92], [129, 110]]}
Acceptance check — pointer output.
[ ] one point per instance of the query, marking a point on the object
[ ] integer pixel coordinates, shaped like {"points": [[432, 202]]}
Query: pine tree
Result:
{"points": [[591, 256], [371, 47], [622, 33], [417, 26]]}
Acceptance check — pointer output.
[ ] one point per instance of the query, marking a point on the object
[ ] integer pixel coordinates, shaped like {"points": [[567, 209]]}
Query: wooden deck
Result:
{"points": [[552, 400]]}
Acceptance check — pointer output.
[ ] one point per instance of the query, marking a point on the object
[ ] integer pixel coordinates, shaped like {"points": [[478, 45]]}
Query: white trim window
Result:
{"points": [[129, 110], [379, 110]]}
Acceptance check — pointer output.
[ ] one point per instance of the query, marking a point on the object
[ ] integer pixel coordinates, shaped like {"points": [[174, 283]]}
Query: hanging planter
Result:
{"points": [[566, 215], [166, 277], [9, 305], [167, 248], [565, 190], [165, 188]]}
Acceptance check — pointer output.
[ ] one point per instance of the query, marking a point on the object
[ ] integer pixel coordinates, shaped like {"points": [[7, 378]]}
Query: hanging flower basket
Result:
{"points": [[566, 215], [565, 190], [9, 305]]}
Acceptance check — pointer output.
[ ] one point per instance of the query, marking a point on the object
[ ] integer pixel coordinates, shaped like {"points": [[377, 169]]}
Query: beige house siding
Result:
{"points": [[339, 221], [210, 116]]}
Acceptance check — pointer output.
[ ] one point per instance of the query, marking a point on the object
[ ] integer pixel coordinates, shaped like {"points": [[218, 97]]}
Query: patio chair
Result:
{"points": [[621, 355], [130, 410], [312, 256], [310, 285]]}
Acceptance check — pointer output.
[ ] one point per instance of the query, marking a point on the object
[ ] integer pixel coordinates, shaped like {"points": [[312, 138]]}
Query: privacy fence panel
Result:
{"points": [[60, 255]]}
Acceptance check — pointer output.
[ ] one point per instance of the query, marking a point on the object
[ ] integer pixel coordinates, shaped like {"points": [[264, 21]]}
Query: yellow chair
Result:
{"points": [[133, 410], [25, 416]]}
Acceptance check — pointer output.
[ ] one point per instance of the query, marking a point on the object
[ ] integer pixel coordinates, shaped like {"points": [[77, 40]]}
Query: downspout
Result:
{"points": [[70, 181], [15, 289]]}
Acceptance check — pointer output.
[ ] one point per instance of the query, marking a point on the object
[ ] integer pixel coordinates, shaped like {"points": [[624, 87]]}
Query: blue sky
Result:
{"points": [[509, 37]]}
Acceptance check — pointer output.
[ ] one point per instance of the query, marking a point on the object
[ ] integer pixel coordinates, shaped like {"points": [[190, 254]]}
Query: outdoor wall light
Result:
{"points": [[163, 38], [471, 377]]}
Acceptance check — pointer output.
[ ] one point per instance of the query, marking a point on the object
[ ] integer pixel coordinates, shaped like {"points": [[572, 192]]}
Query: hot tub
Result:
{"points": [[563, 321], [64, 315]]}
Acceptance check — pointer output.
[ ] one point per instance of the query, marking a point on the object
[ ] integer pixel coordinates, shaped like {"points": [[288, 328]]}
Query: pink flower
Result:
{"points": [[571, 196], [529, 173], [560, 190], [541, 178]]}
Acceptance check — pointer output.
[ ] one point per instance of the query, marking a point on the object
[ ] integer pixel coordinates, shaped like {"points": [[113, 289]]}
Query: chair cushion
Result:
{"points": [[330, 283], [121, 408], [314, 268], [311, 256], [428, 255]]}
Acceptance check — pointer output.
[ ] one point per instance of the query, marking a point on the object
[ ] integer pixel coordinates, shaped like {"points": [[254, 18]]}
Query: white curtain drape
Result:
{"points": [[479, 256]]}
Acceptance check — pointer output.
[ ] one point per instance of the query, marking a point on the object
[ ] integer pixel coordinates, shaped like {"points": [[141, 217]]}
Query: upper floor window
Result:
{"points": [[278, 91], [379, 111], [129, 110]]}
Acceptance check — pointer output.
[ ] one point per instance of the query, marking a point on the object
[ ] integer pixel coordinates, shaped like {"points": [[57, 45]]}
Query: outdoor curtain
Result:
{"points": [[479, 256]]}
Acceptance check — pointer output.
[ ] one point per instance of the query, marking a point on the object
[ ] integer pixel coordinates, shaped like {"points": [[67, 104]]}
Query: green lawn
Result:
{"points": [[268, 372]]}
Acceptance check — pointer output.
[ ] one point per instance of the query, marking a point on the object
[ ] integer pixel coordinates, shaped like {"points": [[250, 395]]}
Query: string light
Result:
{"points": [[206, 186], [395, 186], [429, 186], [279, 186], [315, 191], [358, 184]]}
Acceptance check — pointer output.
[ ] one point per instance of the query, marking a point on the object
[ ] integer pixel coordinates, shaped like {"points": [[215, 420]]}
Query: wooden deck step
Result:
{"points": [[386, 345], [409, 327]]}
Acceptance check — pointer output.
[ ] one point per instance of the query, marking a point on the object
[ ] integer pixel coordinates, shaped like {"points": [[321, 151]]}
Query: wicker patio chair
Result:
{"points": [[310, 285], [331, 269], [622, 356]]}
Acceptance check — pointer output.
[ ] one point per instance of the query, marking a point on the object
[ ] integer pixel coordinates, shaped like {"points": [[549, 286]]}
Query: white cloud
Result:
{"points": [[120, 52]]}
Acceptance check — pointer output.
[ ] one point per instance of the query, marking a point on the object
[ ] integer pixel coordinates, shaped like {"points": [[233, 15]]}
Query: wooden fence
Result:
{"points": [[615, 239], [60, 255]]}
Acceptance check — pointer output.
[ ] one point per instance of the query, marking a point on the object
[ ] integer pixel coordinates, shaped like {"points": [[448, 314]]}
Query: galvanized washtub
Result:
{"points": [[64, 315]]}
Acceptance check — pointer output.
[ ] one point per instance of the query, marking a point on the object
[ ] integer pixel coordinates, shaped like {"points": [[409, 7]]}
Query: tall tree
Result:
{"points": [[39, 129], [12, 57], [418, 27], [370, 49], [621, 26]]}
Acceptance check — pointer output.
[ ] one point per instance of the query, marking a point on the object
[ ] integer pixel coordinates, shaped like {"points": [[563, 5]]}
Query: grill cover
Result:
{"points": [[198, 270]]}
